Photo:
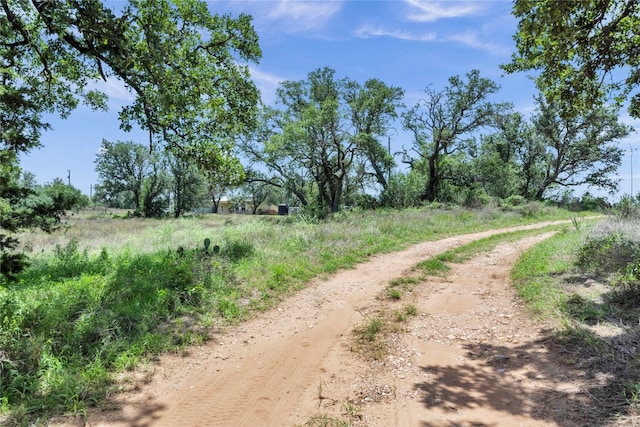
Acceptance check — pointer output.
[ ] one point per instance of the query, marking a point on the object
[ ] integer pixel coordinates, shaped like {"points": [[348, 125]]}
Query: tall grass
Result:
{"points": [[103, 294]]}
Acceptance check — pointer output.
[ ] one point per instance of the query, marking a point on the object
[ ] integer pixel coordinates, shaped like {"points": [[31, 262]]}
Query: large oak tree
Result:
{"points": [[444, 124], [584, 53], [568, 152], [325, 136], [185, 68]]}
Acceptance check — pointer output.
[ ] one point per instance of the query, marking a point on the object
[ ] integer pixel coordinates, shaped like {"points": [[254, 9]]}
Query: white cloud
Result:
{"points": [[625, 118], [304, 15], [472, 39], [114, 89], [367, 31], [429, 11], [266, 83]]}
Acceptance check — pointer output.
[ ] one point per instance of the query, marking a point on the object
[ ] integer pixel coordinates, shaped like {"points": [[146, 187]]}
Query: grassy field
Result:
{"points": [[103, 294]]}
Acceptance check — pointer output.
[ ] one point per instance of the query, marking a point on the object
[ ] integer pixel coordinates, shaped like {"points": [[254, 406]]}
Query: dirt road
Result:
{"points": [[469, 358]]}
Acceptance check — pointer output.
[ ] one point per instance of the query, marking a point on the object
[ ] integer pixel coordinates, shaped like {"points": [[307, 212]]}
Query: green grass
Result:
{"points": [[411, 310], [586, 279], [400, 315], [323, 420], [103, 295], [466, 252], [534, 275], [372, 328], [371, 337], [394, 293], [433, 266]]}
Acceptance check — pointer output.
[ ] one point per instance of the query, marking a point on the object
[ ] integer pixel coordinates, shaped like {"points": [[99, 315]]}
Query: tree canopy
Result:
{"points": [[186, 69], [444, 122], [585, 53], [131, 177], [575, 151], [328, 131], [180, 62]]}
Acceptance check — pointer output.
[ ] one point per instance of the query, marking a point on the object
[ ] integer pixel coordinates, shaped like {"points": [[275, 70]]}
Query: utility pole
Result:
{"points": [[631, 152], [69, 176]]}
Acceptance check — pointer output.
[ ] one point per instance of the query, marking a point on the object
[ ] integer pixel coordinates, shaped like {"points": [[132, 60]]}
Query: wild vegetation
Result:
{"points": [[104, 294], [584, 282], [320, 147], [587, 279], [86, 307]]}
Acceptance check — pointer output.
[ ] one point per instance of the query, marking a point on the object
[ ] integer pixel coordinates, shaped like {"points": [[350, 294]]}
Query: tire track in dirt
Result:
{"points": [[259, 373], [471, 357]]}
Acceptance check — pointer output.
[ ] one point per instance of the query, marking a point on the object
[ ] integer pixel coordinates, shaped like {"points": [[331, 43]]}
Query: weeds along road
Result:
{"points": [[285, 365]]}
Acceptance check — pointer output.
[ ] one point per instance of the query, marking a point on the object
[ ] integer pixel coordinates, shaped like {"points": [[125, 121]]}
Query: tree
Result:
{"points": [[180, 62], [571, 151], [585, 53], [132, 177], [497, 176], [257, 192], [282, 174], [20, 207], [187, 184], [155, 188], [403, 191], [444, 123], [65, 197], [220, 181], [122, 167], [494, 163], [372, 107], [325, 128], [28, 180]]}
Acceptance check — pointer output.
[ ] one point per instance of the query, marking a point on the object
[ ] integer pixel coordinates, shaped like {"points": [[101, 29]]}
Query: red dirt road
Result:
{"points": [[284, 366]]}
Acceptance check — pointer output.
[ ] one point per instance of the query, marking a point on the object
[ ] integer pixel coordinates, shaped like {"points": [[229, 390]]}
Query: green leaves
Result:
{"points": [[443, 122], [181, 63], [326, 140], [580, 150], [580, 51]]}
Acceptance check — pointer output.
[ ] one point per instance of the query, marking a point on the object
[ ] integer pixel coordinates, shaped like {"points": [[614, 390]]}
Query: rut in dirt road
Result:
{"points": [[264, 371]]}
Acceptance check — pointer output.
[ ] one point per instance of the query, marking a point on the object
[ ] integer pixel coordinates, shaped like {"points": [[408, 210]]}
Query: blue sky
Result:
{"points": [[406, 43]]}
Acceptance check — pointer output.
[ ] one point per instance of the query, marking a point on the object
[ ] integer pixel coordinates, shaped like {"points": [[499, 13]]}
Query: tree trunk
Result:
{"points": [[432, 181]]}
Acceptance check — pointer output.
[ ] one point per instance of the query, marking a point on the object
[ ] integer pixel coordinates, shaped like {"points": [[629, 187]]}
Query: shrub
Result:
{"points": [[514, 200], [611, 246], [532, 210], [476, 198], [403, 191], [627, 286], [235, 250], [627, 208]]}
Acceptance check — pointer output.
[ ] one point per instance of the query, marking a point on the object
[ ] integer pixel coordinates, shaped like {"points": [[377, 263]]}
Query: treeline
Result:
{"points": [[25, 204], [325, 145], [160, 183], [322, 145]]}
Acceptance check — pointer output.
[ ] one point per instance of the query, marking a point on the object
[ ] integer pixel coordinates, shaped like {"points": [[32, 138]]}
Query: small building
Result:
{"points": [[227, 206]]}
